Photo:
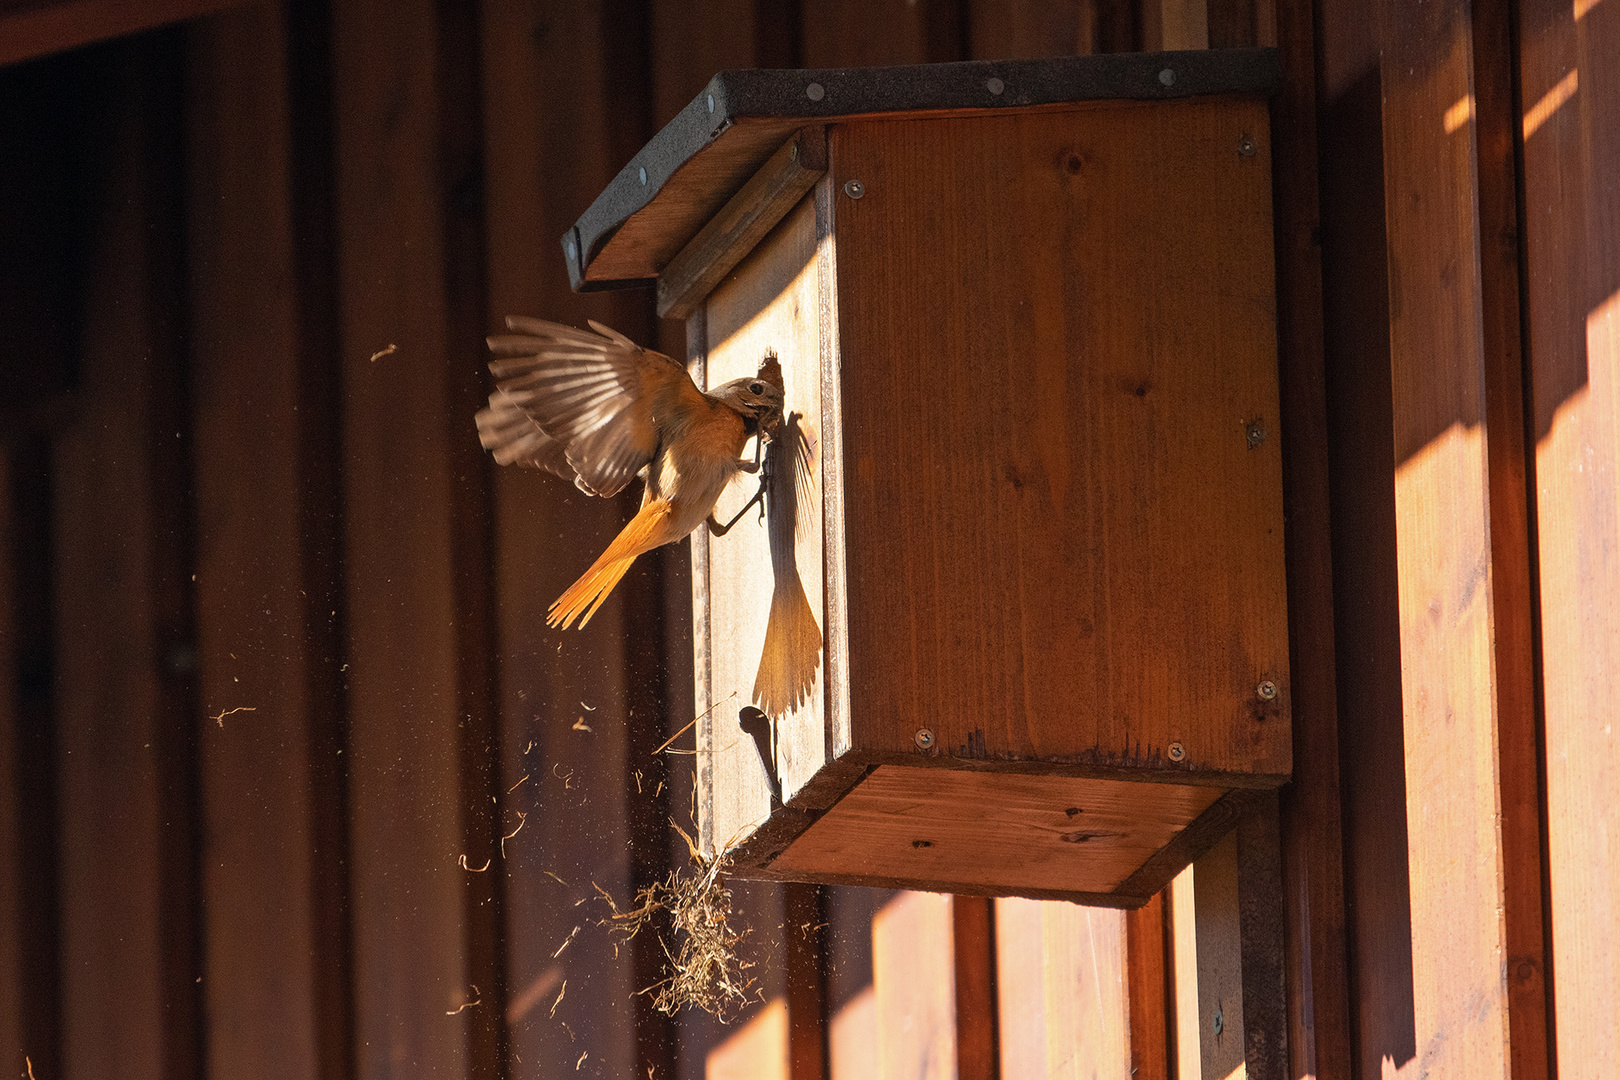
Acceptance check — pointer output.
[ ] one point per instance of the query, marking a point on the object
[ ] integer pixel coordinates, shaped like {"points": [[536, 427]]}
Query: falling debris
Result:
{"points": [[560, 994], [587, 708], [517, 785], [380, 353], [475, 869], [564, 777], [700, 942], [555, 878], [572, 934], [522, 820], [583, 1055], [581, 725], [219, 718], [477, 997]]}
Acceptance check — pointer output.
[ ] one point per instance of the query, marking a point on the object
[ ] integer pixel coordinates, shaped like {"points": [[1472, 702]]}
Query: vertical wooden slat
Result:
{"points": [[973, 946], [313, 221], [1261, 930], [804, 924], [32, 782], [1310, 827], [1443, 543], [1062, 989], [999, 30], [849, 33], [547, 152], [12, 1048], [1518, 734], [124, 663], [1569, 94], [1182, 958], [1149, 992], [253, 652], [913, 972], [406, 829], [852, 1032]]}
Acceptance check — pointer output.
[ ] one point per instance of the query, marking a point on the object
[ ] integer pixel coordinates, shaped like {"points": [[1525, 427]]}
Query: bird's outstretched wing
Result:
{"points": [[577, 403]]}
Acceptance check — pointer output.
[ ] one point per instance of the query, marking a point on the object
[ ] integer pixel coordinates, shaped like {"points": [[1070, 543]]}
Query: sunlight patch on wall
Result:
{"points": [[1460, 113], [1550, 102]]}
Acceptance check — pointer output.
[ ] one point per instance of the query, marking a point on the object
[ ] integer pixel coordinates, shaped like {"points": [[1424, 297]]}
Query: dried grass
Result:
{"points": [[690, 914]]}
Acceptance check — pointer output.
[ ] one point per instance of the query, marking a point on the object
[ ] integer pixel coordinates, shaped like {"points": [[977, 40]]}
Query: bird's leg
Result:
{"points": [[717, 529], [751, 466]]}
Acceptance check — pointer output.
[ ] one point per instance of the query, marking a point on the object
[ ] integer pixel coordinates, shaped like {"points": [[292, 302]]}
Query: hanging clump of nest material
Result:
{"points": [[690, 914]]}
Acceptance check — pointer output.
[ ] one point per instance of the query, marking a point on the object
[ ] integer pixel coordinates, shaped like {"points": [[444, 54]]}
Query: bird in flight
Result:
{"points": [[598, 409]]}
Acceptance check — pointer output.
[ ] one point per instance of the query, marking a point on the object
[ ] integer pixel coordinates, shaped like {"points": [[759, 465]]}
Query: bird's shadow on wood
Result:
{"points": [[790, 661]]}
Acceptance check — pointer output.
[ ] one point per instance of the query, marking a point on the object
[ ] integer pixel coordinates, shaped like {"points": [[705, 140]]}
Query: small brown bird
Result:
{"points": [[598, 409]]}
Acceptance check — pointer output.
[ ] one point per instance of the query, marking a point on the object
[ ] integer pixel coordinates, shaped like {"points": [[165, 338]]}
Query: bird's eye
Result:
{"points": [[756, 387]]}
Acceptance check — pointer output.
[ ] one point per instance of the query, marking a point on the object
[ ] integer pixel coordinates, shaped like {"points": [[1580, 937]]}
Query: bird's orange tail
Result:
{"points": [[644, 532]]}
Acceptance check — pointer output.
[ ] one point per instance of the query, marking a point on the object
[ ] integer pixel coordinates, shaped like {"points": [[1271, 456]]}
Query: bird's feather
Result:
{"points": [[647, 530], [595, 393]]}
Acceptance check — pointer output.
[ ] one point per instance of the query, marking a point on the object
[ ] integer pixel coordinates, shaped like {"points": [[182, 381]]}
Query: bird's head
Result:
{"points": [[756, 400]]}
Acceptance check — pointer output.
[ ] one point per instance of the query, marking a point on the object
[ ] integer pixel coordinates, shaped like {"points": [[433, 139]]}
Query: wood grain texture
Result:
{"points": [[747, 216], [1218, 931], [547, 151], [765, 578], [913, 973], [1007, 30], [118, 657], [758, 1048], [1311, 826], [1001, 832], [1149, 989], [1513, 615], [1262, 928], [1061, 982], [1569, 90], [973, 945], [406, 827], [1088, 554], [1443, 547], [252, 647]]}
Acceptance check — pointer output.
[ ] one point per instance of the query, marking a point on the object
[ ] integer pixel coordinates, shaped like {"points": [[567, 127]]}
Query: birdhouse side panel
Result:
{"points": [[765, 587], [1062, 479]]}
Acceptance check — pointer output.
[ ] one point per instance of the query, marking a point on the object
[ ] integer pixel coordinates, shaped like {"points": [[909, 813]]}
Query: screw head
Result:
{"points": [[568, 246], [1267, 690], [924, 739], [1167, 77], [994, 85], [1177, 751], [815, 91], [1247, 146], [643, 177], [854, 188], [1220, 1022], [711, 103], [1254, 433]]}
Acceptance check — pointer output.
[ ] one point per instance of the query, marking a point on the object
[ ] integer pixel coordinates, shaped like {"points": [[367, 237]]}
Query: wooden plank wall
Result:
{"points": [[297, 783]]}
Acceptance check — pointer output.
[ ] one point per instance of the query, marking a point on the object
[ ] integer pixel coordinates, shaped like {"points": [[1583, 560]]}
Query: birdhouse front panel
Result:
{"points": [[1062, 472]]}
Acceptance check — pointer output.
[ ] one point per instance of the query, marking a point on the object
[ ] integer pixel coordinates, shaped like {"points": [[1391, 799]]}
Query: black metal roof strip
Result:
{"points": [[689, 169]]}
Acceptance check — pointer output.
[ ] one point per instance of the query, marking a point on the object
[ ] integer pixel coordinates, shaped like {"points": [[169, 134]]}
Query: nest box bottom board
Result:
{"points": [[993, 833]]}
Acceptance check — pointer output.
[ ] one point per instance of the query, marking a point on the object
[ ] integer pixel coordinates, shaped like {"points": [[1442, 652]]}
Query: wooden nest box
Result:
{"points": [[1014, 622]]}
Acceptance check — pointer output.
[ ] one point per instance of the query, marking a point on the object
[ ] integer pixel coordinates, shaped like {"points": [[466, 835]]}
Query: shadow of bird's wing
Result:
{"points": [[589, 397]]}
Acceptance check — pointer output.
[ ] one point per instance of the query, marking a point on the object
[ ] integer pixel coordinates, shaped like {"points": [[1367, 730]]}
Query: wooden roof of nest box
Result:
{"points": [[1015, 621]]}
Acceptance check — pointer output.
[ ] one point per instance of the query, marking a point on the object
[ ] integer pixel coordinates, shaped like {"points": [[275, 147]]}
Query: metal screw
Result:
{"points": [[1167, 77], [569, 247], [711, 103], [1246, 146], [793, 152], [643, 177], [1177, 751], [1255, 433], [1267, 690], [854, 188], [924, 738], [1220, 1022], [994, 85], [815, 91]]}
